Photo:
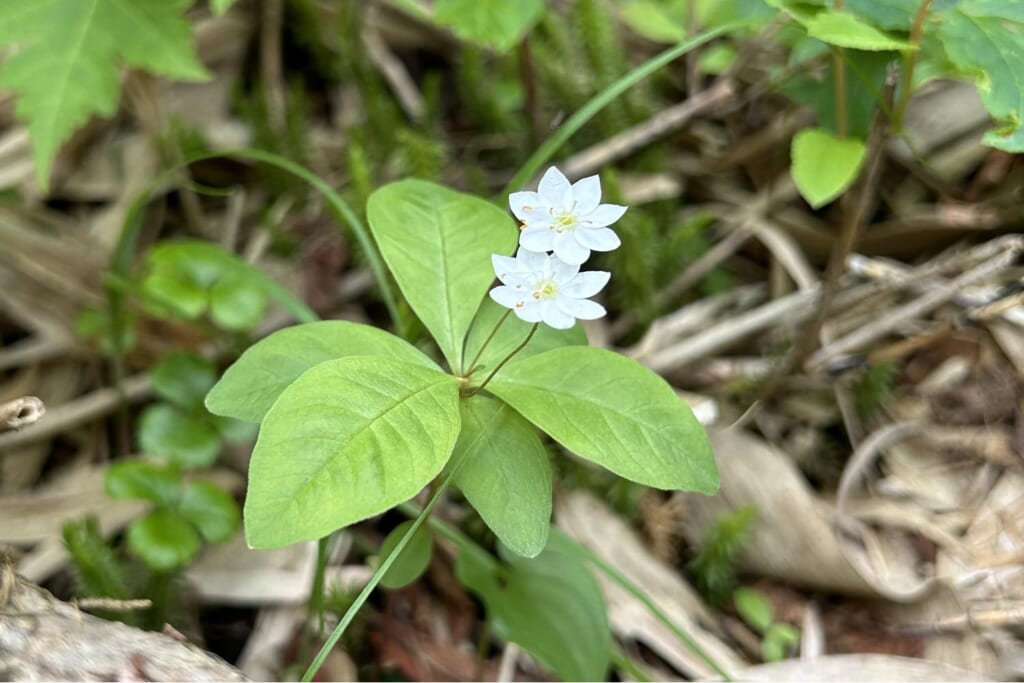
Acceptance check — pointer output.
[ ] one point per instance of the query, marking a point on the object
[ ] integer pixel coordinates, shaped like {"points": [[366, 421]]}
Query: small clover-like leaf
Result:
{"points": [[415, 557], [824, 166], [211, 509], [183, 379], [185, 439], [163, 539], [142, 480]]}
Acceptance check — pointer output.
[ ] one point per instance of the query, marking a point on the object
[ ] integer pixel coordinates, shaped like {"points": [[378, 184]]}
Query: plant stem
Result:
{"points": [[625, 663], [468, 369], [839, 82], [364, 594], [481, 650], [507, 358], [909, 62]]}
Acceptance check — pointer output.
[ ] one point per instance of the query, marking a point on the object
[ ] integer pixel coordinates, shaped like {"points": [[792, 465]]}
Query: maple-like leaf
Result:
{"points": [[66, 54]]}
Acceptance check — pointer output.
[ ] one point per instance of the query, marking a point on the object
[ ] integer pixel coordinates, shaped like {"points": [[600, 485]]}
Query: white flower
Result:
{"points": [[541, 288], [569, 220]]}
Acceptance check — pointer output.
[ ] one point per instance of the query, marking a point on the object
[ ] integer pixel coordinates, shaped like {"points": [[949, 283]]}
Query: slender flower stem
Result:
{"points": [[839, 81], [361, 599], [507, 358], [909, 62], [468, 370]]}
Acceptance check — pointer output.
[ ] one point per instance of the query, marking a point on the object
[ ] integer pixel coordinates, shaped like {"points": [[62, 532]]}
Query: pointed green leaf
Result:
{"points": [[211, 509], [163, 540], [66, 67], [824, 166], [495, 23], [183, 379], [142, 480], [610, 409], [754, 608], [188, 440], [511, 334], [415, 557], [843, 29], [347, 440], [250, 386], [549, 605], [438, 245], [504, 472]]}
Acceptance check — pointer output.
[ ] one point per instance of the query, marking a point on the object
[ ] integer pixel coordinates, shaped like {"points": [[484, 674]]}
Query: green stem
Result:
{"points": [[909, 63], [364, 594], [453, 534], [626, 664], [468, 369], [603, 99], [506, 359], [839, 82]]}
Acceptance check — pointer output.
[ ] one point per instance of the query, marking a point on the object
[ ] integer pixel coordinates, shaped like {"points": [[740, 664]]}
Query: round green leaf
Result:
{"points": [[183, 378], [211, 509], [250, 386], [413, 561], [610, 409], [504, 472], [237, 302], [347, 440], [824, 165], [165, 292], [438, 245], [142, 480], [754, 608], [192, 442], [163, 540], [549, 605]]}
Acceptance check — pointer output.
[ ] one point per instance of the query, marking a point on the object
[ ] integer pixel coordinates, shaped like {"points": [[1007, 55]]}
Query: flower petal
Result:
{"points": [[504, 266], [554, 187], [587, 194], [604, 215], [524, 203], [563, 271], [507, 296], [568, 249], [554, 316], [598, 239], [586, 284], [531, 261], [584, 309], [531, 311], [537, 239]]}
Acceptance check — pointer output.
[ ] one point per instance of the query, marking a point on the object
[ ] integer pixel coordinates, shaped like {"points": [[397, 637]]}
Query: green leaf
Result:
{"points": [[504, 472], [495, 23], [347, 440], [163, 540], [212, 510], [165, 294], [250, 386], [655, 20], [824, 166], [187, 440], [413, 561], [236, 303], [66, 66], [438, 245], [612, 410], [183, 379], [887, 14], [985, 40], [142, 480], [549, 605], [754, 608], [843, 29], [778, 641], [221, 6], [510, 335]]}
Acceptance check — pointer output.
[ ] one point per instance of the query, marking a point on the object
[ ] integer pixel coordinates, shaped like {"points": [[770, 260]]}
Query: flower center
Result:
{"points": [[565, 221], [545, 289]]}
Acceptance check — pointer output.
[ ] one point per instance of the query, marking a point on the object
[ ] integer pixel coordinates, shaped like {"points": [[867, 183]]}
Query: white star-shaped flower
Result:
{"points": [[541, 288], [568, 219]]}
